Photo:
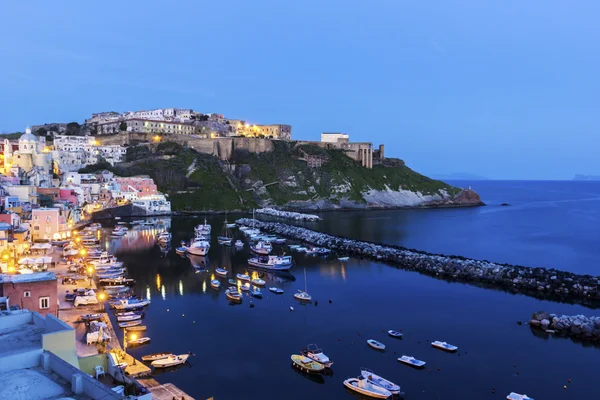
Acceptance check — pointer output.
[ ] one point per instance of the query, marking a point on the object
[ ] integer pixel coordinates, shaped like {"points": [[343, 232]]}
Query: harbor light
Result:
{"points": [[78, 239], [102, 296], [157, 138], [133, 336], [5, 256], [82, 252], [11, 269]]}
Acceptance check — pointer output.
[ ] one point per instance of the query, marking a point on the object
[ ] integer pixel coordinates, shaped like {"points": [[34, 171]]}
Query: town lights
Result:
{"points": [[11, 269], [133, 336], [5, 256], [78, 239], [82, 252], [102, 296], [157, 138], [90, 270]]}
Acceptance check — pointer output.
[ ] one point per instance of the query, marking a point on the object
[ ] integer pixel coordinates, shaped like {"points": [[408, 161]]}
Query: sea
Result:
{"points": [[243, 351]]}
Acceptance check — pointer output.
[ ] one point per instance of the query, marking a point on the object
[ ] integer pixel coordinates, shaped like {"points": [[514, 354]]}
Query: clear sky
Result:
{"points": [[505, 89]]}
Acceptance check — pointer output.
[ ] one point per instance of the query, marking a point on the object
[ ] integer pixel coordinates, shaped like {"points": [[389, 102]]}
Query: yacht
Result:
{"points": [[198, 247], [313, 352], [262, 248]]}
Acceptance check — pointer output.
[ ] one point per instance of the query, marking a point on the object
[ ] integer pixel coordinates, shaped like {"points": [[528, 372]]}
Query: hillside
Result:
{"points": [[197, 181]]}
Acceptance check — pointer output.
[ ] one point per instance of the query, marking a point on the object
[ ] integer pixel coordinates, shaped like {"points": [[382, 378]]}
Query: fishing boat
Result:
{"points": [[413, 362], [243, 277], [137, 328], [225, 238], [313, 352], [318, 251], [395, 334], [306, 364], [131, 317], [129, 324], [221, 272], [303, 295], [156, 356], [232, 282], [245, 287], [262, 248], [170, 361], [375, 344], [203, 229], [377, 380], [233, 294], [343, 259], [444, 346], [276, 290], [116, 282], [123, 314], [517, 396], [129, 304], [258, 282], [138, 342], [366, 388], [216, 284], [92, 317], [275, 263], [198, 247], [238, 243], [180, 250], [257, 293]]}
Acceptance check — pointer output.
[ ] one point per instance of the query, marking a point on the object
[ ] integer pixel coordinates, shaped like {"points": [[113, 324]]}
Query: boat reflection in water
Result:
{"points": [[199, 262], [316, 378]]}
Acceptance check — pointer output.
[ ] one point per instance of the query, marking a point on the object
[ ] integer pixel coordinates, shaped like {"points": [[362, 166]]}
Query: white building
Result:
{"points": [[334, 137], [113, 154], [73, 143]]}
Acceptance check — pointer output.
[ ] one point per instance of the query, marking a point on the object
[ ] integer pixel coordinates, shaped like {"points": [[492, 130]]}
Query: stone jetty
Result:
{"points": [[296, 216], [577, 326], [537, 282]]}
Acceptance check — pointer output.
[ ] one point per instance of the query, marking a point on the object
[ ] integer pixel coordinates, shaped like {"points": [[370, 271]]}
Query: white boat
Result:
{"points": [[303, 295], [245, 287], [156, 356], [444, 346], [198, 247], [225, 238], [243, 277], [301, 249], [395, 334], [275, 263], [164, 237], [129, 304], [413, 362], [137, 342], [129, 324], [221, 272], [318, 251], [258, 282], [203, 229], [231, 225], [239, 243], [170, 361], [276, 290], [262, 248], [363, 387], [279, 240], [313, 352], [377, 380], [293, 246], [131, 317], [233, 294], [343, 259], [517, 396], [375, 344], [216, 284], [257, 293]]}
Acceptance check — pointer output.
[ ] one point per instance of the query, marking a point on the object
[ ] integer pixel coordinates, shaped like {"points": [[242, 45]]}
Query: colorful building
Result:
{"points": [[34, 292]]}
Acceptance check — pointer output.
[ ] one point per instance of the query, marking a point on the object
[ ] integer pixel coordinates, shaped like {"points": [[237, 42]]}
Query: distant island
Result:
{"points": [[459, 176], [581, 177]]}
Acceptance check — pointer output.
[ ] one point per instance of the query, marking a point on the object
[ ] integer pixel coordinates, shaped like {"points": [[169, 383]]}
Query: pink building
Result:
{"points": [[144, 185], [70, 196], [47, 223]]}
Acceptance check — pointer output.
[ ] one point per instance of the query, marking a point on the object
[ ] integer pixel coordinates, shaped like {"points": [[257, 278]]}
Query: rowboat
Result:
{"points": [[257, 293], [233, 294], [137, 328], [243, 277], [170, 361], [138, 342], [313, 352], [375, 344], [221, 272], [377, 380], [444, 346], [232, 282], [245, 287], [129, 304], [276, 290], [258, 282], [517, 396], [306, 364], [156, 356], [395, 334], [216, 284], [131, 317], [129, 324], [413, 362], [92, 317], [343, 259], [366, 388]]}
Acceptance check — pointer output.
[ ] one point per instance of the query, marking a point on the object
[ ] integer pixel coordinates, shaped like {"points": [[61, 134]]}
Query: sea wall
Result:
{"points": [[296, 216], [537, 282], [577, 326]]}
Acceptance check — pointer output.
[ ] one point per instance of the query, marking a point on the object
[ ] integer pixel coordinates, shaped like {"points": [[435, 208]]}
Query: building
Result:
{"points": [[35, 292], [358, 151], [32, 161], [23, 193], [113, 154], [48, 224], [143, 185], [73, 143], [334, 137]]}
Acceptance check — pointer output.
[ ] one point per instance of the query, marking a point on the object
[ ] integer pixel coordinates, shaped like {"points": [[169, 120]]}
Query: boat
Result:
{"points": [[306, 364], [366, 388], [233, 294], [243, 277], [180, 250], [313, 352], [245, 287], [257, 293], [395, 334], [279, 240], [137, 328], [156, 356], [258, 282], [517, 396], [303, 295], [318, 251], [131, 303], [216, 284], [413, 362], [375, 344], [343, 259], [377, 380], [225, 238], [92, 317], [132, 317], [123, 314], [170, 361], [198, 247], [221, 271], [129, 324], [276, 290], [232, 282], [59, 243], [301, 249], [116, 282], [444, 346], [239, 243], [293, 246], [137, 342], [262, 248], [275, 263], [203, 229]]}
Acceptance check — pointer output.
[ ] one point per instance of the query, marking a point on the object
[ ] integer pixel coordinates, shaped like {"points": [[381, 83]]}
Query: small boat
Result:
{"points": [[180, 250], [156, 356], [293, 246], [257, 293], [216, 284], [231, 225], [276, 290], [517, 396], [444, 346], [129, 324], [116, 282], [343, 259], [92, 317], [170, 361], [258, 282], [306, 364], [395, 334], [131, 317], [243, 277], [137, 328], [375, 344], [233, 294], [413, 362], [279, 241], [198, 247], [245, 287], [318, 251], [124, 314], [301, 249], [138, 342], [303, 295], [131, 303], [164, 237], [262, 248], [366, 388], [59, 243], [221, 271], [313, 352], [377, 380], [239, 243], [276, 263], [232, 282], [203, 229]]}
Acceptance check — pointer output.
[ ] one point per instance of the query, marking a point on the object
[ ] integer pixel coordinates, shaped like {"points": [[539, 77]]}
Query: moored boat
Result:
{"points": [[276, 290], [377, 380], [375, 344], [444, 346], [262, 248], [257, 293], [303, 295], [156, 356], [92, 317], [366, 388], [221, 271], [130, 304], [138, 342], [243, 277], [276, 263], [239, 243], [313, 352], [137, 328], [198, 247], [131, 317], [129, 324], [170, 361], [233, 294], [216, 284], [343, 259], [258, 282], [517, 396], [395, 334], [306, 364], [245, 287], [413, 362]]}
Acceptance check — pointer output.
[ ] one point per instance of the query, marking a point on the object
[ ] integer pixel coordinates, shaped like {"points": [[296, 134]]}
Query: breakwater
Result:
{"points": [[537, 282], [575, 326], [296, 216]]}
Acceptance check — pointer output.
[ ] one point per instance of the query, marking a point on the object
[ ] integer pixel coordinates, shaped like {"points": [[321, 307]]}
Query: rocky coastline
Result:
{"points": [[576, 326], [296, 216], [536, 282]]}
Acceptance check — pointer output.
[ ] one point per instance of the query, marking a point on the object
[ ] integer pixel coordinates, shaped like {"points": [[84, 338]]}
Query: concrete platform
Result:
{"points": [[168, 391]]}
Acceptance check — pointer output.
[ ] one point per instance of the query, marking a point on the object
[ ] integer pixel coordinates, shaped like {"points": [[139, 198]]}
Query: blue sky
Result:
{"points": [[505, 89]]}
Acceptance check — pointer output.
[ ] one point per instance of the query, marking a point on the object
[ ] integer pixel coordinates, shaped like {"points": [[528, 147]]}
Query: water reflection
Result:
{"points": [[163, 292], [180, 288]]}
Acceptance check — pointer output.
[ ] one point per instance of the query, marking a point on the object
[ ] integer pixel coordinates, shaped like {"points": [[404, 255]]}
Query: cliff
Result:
{"points": [[281, 178]]}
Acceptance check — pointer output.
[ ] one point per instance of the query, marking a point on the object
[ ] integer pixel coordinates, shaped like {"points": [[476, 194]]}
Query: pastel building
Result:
{"points": [[48, 224], [34, 292], [143, 185]]}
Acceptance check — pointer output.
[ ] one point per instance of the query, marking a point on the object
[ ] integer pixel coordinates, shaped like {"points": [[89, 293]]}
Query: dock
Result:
{"points": [[166, 391]]}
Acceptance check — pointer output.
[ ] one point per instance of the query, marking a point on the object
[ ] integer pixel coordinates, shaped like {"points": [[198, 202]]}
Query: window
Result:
{"points": [[27, 293], [44, 302]]}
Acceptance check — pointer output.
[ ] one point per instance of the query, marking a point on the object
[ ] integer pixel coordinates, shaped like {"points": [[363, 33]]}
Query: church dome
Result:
{"points": [[28, 136]]}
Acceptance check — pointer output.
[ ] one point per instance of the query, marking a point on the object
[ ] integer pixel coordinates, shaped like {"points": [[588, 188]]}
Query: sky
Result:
{"points": [[505, 89]]}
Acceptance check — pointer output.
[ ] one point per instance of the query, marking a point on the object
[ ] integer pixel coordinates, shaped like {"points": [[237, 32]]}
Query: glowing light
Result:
{"points": [[90, 270], [148, 292], [82, 252], [203, 286], [157, 281], [156, 138], [5, 256], [78, 239], [102, 296], [180, 288], [163, 293], [26, 245], [133, 336], [11, 269]]}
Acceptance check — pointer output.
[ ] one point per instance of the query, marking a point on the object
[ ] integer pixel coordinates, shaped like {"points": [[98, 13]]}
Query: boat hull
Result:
{"points": [[353, 385]]}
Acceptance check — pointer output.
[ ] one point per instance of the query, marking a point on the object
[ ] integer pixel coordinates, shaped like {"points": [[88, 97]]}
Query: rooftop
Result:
{"points": [[35, 277], [20, 338], [35, 383]]}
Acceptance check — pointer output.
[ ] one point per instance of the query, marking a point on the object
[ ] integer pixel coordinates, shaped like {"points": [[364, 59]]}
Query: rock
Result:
{"points": [[545, 323], [534, 322], [540, 315], [505, 204]]}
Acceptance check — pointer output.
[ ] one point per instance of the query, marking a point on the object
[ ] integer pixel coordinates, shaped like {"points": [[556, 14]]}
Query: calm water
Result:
{"points": [[244, 352]]}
